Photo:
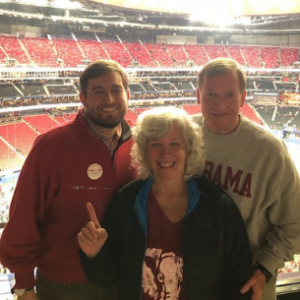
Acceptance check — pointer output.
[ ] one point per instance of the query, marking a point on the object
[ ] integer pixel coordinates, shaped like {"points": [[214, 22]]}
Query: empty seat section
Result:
{"points": [[136, 87], [197, 54], [9, 158], [248, 112], [68, 51], [40, 51], [215, 51], [3, 57], [91, 48], [270, 56], [182, 84], [178, 55], [131, 115], [12, 47], [32, 88], [19, 135], [160, 54], [140, 54], [41, 123], [62, 89], [266, 112], [289, 56], [262, 84], [8, 90], [251, 55], [117, 52], [235, 53], [147, 86], [192, 109], [60, 119]]}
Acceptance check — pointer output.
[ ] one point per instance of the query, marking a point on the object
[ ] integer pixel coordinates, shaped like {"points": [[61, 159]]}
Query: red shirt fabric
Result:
{"points": [[163, 264]]}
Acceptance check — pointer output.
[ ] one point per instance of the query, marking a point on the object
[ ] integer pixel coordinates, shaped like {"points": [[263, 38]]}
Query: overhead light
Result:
{"points": [[35, 2], [66, 4], [217, 18]]}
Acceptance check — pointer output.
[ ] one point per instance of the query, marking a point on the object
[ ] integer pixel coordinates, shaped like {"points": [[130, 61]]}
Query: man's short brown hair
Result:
{"points": [[99, 68], [220, 66]]}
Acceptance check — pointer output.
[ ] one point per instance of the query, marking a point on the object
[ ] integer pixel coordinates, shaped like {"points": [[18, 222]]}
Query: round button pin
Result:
{"points": [[94, 171]]}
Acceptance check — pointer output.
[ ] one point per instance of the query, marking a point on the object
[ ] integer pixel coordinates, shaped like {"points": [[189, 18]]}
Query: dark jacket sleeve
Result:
{"points": [[105, 268], [237, 254]]}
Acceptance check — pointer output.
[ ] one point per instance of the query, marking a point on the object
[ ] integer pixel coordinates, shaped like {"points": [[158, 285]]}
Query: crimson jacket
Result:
{"points": [[66, 168], [217, 260]]}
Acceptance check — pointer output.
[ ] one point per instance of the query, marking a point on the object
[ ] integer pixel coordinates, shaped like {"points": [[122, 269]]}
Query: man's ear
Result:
{"points": [[198, 96], [82, 98], [128, 95], [243, 99]]}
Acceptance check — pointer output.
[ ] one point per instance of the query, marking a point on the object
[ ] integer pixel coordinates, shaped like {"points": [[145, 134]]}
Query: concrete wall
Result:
{"points": [[291, 40], [176, 39], [27, 31], [269, 40]]}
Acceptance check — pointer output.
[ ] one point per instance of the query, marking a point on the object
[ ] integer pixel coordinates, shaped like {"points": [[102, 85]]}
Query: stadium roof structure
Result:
{"points": [[232, 16], [249, 15]]}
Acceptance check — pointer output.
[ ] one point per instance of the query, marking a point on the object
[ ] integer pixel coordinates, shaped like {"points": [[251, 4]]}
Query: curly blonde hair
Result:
{"points": [[157, 123]]}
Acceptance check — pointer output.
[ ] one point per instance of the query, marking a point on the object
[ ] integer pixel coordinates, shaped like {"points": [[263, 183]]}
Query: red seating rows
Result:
{"points": [[12, 47], [68, 51], [92, 50], [117, 52], [131, 115], [139, 53], [215, 51], [43, 52], [192, 109], [251, 55], [248, 112], [60, 119], [19, 135], [197, 54], [270, 56], [9, 158], [177, 52], [160, 54], [41, 123], [235, 53], [288, 56], [40, 51]]}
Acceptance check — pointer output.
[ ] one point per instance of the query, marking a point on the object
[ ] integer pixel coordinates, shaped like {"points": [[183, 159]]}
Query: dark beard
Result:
{"points": [[108, 122]]}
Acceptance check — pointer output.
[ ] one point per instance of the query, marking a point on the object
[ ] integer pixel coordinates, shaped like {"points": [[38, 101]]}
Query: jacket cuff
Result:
{"points": [[24, 280], [272, 264]]}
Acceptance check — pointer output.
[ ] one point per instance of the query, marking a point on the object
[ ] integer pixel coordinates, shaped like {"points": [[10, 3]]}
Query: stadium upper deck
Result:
{"points": [[71, 51]]}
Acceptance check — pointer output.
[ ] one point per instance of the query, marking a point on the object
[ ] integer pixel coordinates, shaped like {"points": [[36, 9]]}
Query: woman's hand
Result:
{"points": [[92, 237]]}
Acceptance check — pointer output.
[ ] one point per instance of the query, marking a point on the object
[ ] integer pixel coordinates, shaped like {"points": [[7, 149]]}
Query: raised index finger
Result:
{"points": [[92, 214]]}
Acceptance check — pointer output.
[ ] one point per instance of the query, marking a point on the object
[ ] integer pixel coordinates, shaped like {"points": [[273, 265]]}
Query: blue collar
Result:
{"points": [[141, 200]]}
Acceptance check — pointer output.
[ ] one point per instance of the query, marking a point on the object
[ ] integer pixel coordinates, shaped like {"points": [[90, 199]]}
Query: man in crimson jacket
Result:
{"points": [[86, 160]]}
